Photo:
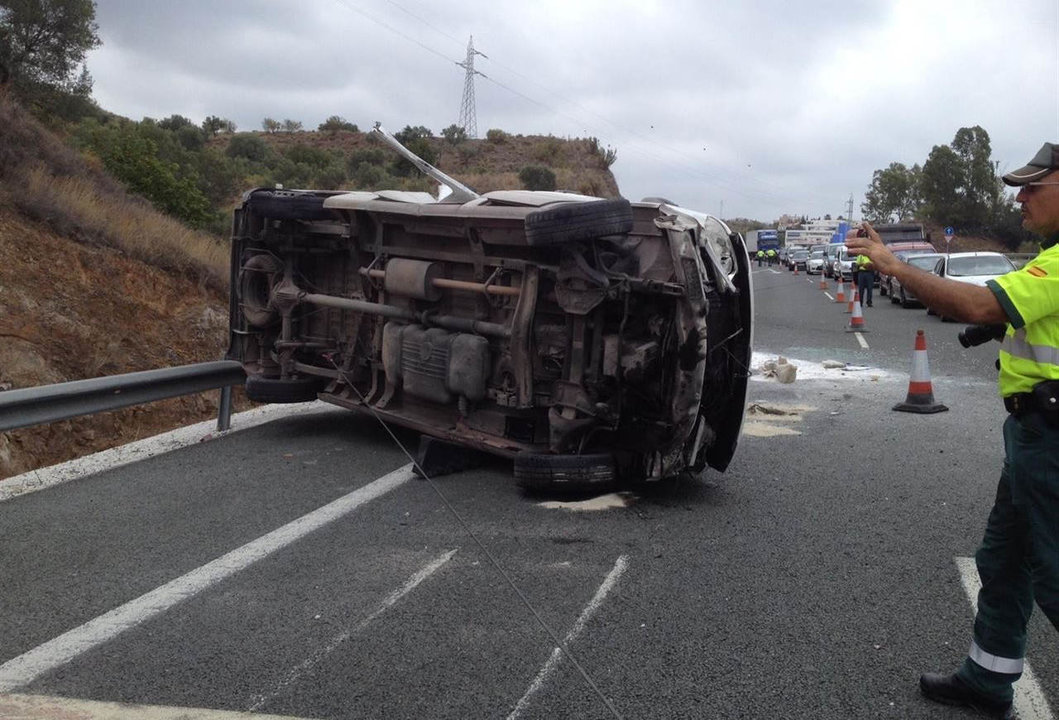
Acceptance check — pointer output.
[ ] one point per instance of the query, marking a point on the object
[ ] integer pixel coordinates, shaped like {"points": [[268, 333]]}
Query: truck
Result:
{"points": [[767, 239], [591, 341]]}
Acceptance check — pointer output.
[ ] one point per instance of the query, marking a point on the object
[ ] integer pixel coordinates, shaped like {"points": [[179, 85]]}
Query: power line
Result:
{"points": [[680, 164]]}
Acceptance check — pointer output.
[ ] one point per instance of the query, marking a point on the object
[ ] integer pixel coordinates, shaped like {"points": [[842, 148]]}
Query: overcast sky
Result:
{"points": [[753, 108]]}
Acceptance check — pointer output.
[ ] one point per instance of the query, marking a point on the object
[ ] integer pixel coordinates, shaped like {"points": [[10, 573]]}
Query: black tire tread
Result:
{"points": [[569, 222], [289, 205], [568, 472]]}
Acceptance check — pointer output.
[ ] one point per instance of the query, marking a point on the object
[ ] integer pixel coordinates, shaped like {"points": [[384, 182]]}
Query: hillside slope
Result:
{"points": [[94, 282]]}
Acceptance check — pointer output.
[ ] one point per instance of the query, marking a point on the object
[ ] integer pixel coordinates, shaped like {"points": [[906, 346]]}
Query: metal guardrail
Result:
{"points": [[50, 403]]}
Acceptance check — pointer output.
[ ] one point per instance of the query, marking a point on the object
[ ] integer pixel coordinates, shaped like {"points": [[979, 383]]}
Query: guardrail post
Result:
{"points": [[224, 410]]}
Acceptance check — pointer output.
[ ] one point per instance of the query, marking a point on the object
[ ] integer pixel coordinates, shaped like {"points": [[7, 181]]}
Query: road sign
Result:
{"points": [[949, 230], [948, 238]]}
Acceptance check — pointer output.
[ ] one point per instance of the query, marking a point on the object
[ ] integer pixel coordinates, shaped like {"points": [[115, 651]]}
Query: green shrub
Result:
{"points": [[316, 157], [370, 177], [335, 123], [369, 156], [536, 177], [249, 146], [549, 150], [331, 177], [191, 138], [497, 136], [454, 134]]}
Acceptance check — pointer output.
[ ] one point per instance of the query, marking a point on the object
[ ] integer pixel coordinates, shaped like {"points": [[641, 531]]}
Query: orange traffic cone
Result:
{"points": [[840, 296], [856, 323], [855, 298], [920, 392], [795, 268], [823, 280]]}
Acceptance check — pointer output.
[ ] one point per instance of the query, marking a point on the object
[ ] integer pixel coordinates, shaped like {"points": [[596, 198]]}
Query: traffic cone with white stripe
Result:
{"points": [[920, 392], [795, 268], [823, 280], [855, 298], [856, 323], [840, 295]]}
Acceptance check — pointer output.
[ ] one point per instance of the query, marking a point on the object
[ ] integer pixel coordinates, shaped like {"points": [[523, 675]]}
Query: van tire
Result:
{"points": [[256, 278], [569, 222], [536, 472]]}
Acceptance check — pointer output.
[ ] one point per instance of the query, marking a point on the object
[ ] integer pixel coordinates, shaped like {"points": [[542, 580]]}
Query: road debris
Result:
{"points": [[780, 369], [610, 501]]}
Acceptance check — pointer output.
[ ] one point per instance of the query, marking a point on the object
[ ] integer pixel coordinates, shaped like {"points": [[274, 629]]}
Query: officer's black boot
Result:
{"points": [[950, 690]]}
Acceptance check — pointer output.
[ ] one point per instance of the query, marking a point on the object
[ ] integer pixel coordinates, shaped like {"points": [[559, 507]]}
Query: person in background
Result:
{"points": [[865, 278], [1018, 559], [760, 257], [771, 256]]}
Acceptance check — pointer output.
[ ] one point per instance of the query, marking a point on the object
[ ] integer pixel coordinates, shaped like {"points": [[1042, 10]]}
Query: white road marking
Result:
{"points": [[862, 341], [148, 447], [829, 296], [553, 661], [1029, 698], [43, 707], [310, 662], [27, 667]]}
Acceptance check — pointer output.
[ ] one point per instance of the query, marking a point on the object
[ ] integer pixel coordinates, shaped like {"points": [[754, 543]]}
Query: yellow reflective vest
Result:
{"points": [[1030, 298]]}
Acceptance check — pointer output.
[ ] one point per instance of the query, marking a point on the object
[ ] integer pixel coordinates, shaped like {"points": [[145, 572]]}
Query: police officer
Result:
{"points": [[771, 256], [865, 278], [760, 257], [1018, 560]]}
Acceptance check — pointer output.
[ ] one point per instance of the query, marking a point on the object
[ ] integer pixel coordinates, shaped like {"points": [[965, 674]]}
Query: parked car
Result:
{"points": [[900, 294], [797, 259], [586, 339], [971, 267], [815, 264], [842, 265], [830, 254], [903, 249]]}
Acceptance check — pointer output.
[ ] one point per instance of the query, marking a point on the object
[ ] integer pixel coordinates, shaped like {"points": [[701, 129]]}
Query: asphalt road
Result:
{"points": [[815, 579]]}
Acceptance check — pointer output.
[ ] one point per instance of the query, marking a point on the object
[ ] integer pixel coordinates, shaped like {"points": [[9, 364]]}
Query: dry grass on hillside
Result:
{"points": [[54, 184]]}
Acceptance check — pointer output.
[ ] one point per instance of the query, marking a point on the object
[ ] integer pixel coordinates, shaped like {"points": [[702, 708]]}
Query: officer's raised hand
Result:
{"points": [[865, 241]]}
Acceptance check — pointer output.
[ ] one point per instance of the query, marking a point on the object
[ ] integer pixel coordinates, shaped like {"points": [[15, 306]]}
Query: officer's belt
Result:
{"points": [[1020, 404]]}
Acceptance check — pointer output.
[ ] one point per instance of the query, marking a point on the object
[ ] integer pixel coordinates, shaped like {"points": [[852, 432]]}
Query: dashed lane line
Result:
{"points": [[29, 666], [557, 654], [43, 707], [1029, 698], [862, 341], [314, 659], [829, 296]]}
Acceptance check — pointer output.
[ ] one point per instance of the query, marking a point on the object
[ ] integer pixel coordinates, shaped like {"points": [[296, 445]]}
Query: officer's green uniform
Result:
{"points": [[1018, 559], [772, 256], [760, 257]]}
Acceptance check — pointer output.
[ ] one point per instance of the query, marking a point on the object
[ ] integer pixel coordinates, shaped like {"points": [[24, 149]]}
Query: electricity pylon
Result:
{"points": [[468, 117]]}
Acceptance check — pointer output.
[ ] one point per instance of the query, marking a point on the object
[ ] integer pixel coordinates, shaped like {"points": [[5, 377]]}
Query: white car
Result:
{"points": [[974, 268], [815, 264]]}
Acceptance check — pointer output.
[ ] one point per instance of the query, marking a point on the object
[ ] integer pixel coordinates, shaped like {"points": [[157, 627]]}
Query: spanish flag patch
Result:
{"points": [[1036, 271]]}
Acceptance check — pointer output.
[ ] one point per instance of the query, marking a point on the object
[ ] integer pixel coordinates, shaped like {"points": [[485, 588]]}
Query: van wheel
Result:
{"points": [[256, 278], [569, 222], [536, 472]]}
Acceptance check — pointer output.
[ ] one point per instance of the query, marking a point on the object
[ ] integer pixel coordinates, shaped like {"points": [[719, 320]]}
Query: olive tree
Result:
{"points": [[44, 42]]}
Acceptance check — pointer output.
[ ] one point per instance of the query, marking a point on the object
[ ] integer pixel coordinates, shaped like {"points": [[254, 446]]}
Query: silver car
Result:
{"points": [[900, 294]]}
